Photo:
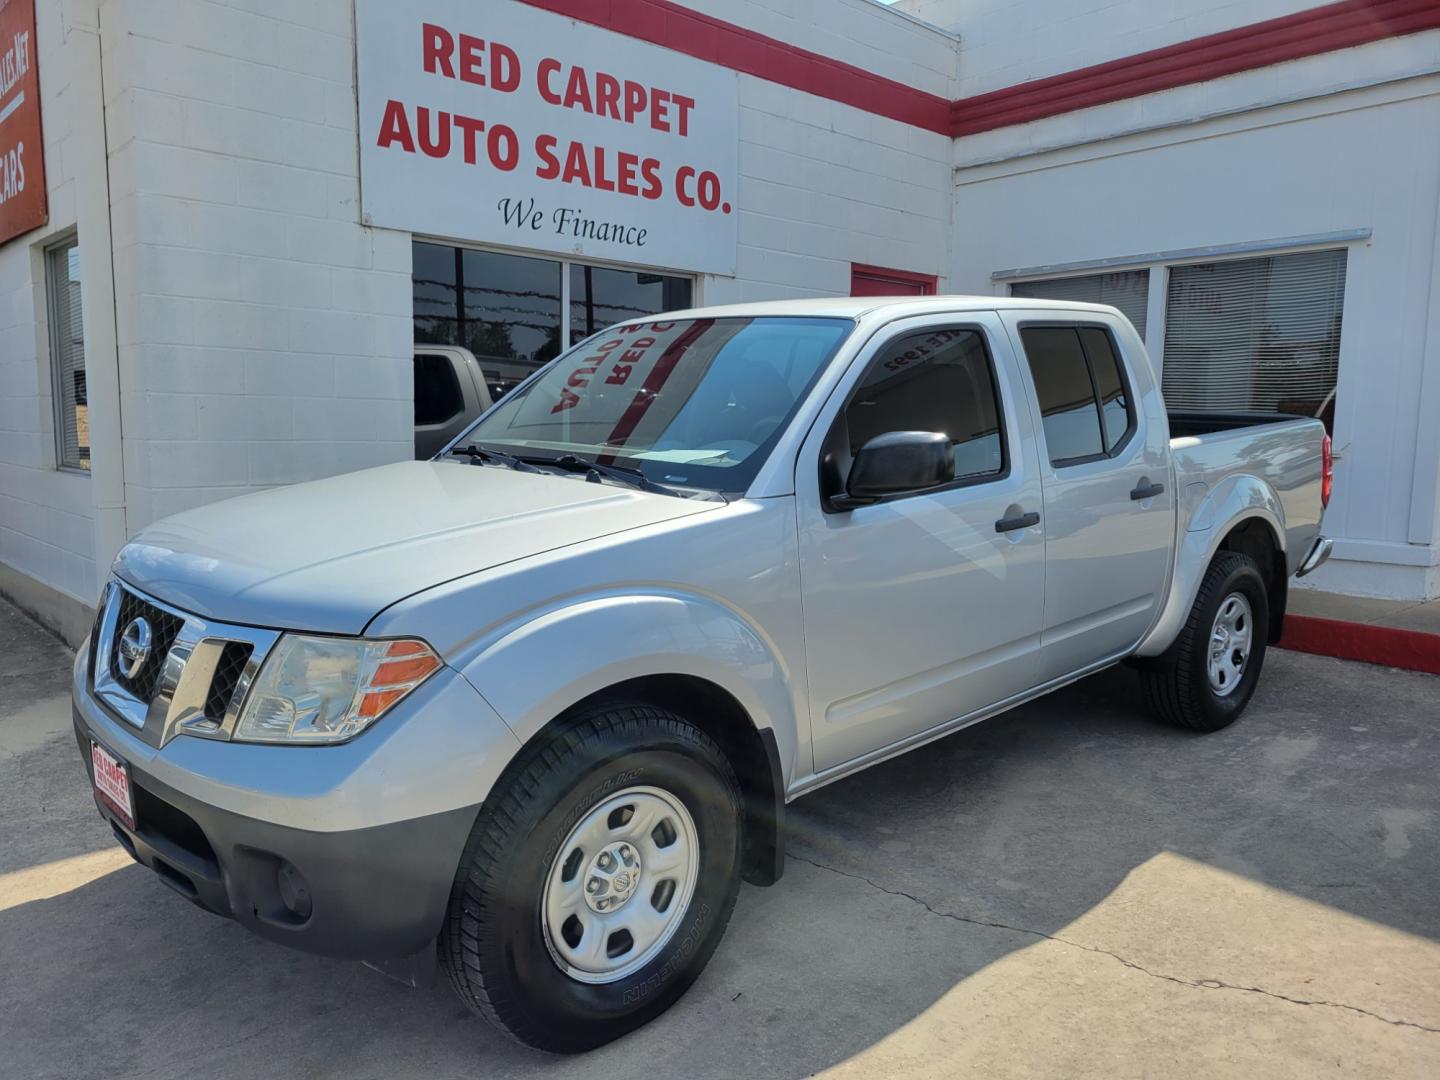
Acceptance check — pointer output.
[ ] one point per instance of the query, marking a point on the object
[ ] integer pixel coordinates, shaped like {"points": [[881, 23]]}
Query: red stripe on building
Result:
{"points": [[667, 24], [1410, 649], [1245, 48], [1291, 37]]}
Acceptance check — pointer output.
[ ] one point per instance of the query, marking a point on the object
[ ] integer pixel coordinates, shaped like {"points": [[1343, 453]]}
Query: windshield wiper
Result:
{"points": [[619, 473], [483, 455]]}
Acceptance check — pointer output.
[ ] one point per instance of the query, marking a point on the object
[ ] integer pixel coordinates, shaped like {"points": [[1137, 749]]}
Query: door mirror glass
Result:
{"points": [[897, 462]]}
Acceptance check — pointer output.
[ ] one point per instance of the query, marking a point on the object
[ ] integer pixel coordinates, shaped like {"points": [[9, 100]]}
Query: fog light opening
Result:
{"points": [[294, 890]]}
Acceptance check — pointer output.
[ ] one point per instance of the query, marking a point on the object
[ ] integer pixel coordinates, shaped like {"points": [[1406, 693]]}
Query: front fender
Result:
{"points": [[533, 670], [1234, 500]]}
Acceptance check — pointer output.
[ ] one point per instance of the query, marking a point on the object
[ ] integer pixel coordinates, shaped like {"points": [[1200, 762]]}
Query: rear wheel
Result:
{"points": [[1206, 678], [598, 879]]}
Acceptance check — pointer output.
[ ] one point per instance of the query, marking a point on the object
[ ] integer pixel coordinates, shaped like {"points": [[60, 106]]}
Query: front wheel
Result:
{"points": [[598, 879], [1207, 677]]}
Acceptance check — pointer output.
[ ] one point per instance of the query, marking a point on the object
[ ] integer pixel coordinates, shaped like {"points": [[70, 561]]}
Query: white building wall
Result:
{"points": [[1339, 162], [46, 526], [264, 335], [1005, 43]]}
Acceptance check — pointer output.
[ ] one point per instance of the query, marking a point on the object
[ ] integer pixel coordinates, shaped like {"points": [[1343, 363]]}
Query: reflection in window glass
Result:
{"points": [[936, 380], [691, 402], [67, 356], [1114, 402], [1067, 398], [600, 297], [503, 308], [510, 318]]}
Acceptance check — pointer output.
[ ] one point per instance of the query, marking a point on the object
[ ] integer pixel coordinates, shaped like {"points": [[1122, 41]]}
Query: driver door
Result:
{"points": [[926, 606]]}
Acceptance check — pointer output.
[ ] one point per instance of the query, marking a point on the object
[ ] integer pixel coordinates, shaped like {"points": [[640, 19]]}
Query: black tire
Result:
{"points": [[1176, 686], [494, 945]]}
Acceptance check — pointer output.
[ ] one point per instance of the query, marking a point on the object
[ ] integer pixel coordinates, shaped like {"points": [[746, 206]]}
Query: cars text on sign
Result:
{"points": [[500, 123]]}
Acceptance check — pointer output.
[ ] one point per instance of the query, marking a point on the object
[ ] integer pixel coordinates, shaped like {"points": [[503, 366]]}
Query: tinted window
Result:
{"points": [[503, 308], [437, 391], [600, 297], [1114, 401], [936, 380], [1067, 397]]}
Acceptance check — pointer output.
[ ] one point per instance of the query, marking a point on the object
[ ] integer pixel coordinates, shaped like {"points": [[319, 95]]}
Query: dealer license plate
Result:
{"points": [[112, 783]]}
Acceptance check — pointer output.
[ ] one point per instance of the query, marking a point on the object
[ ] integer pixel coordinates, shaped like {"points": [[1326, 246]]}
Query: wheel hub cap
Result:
{"points": [[620, 885], [612, 878], [1231, 640]]}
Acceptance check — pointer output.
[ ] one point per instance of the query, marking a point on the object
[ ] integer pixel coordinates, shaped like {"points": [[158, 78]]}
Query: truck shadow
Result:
{"points": [[906, 881]]}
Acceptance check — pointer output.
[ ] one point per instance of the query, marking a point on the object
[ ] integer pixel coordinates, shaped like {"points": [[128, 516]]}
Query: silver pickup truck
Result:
{"points": [[534, 708]]}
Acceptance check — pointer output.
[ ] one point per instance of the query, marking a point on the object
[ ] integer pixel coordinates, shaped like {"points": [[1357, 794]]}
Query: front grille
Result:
{"points": [[163, 629], [233, 659]]}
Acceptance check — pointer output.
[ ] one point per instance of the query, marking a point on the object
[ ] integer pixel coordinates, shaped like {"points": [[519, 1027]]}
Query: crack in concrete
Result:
{"points": [[1200, 984]]}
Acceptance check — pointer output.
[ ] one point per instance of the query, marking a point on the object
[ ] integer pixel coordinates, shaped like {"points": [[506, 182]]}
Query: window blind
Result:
{"points": [[1256, 334], [67, 357], [1128, 290]]}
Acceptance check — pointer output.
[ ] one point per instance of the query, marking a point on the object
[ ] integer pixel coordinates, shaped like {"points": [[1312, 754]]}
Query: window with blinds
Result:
{"points": [[1256, 334], [1128, 290], [67, 356]]}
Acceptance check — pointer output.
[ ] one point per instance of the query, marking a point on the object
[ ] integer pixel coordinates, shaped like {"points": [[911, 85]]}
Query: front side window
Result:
{"points": [[933, 380], [1085, 408], [67, 356], [690, 403]]}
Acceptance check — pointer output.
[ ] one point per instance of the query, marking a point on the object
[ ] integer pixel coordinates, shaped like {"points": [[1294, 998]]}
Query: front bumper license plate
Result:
{"points": [[112, 783]]}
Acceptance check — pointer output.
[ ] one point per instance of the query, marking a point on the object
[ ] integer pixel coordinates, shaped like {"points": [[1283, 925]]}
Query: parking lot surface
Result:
{"points": [[1070, 890]]}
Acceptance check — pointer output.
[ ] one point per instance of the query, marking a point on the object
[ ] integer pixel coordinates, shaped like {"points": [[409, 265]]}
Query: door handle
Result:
{"points": [[1024, 521], [1147, 491]]}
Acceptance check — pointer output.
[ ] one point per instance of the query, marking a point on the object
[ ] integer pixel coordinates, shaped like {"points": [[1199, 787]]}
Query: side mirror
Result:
{"points": [[896, 462]]}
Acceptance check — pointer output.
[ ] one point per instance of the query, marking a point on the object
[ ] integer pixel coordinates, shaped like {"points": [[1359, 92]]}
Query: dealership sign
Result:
{"points": [[22, 161], [500, 123]]}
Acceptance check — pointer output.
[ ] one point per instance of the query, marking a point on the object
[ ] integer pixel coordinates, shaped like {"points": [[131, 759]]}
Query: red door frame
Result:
{"points": [[882, 281]]}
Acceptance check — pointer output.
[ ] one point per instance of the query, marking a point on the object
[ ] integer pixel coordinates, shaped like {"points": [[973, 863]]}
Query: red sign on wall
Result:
{"points": [[22, 154]]}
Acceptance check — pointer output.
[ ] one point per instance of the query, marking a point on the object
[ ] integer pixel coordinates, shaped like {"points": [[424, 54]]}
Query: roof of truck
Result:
{"points": [[854, 307]]}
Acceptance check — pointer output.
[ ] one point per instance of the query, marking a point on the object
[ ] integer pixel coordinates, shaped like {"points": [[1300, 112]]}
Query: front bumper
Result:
{"points": [[218, 821]]}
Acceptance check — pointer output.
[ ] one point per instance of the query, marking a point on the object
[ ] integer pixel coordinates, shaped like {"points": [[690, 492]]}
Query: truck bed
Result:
{"points": [[1219, 452], [1192, 423]]}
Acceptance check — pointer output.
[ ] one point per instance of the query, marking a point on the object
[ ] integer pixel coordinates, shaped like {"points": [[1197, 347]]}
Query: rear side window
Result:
{"points": [[1085, 407], [933, 380], [437, 390]]}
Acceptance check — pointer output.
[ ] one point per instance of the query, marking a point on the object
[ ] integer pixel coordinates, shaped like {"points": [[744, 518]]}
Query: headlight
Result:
{"points": [[326, 689]]}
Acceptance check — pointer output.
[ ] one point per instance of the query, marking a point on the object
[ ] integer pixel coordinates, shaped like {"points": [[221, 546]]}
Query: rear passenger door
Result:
{"points": [[918, 609], [1108, 512]]}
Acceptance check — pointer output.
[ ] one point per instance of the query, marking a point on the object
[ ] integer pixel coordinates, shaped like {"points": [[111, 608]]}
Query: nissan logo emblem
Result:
{"points": [[134, 647]]}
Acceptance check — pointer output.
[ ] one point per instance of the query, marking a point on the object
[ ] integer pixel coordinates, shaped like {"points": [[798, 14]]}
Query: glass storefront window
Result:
{"points": [[507, 309], [601, 297]]}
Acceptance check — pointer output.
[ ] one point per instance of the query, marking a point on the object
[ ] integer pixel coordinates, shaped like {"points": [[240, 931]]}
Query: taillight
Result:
{"points": [[1327, 472]]}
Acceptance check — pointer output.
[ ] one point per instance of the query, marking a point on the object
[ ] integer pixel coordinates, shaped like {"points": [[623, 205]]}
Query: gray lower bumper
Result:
{"points": [[373, 894]]}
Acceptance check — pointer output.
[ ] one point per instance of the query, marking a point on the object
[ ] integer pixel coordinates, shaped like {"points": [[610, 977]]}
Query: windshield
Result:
{"points": [[692, 403]]}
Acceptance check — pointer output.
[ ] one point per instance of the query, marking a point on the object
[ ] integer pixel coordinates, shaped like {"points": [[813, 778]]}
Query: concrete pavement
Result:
{"points": [[1067, 891]]}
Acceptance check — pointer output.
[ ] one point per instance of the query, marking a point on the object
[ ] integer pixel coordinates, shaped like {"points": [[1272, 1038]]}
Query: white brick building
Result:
{"points": [[245, 317]]}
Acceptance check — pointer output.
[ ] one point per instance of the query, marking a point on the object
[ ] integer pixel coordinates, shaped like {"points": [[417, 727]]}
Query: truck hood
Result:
{"points": [[329, 555]]}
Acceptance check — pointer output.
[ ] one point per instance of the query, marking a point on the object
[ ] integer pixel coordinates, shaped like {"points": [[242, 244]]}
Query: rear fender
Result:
{"points": [[1234, 500]]}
